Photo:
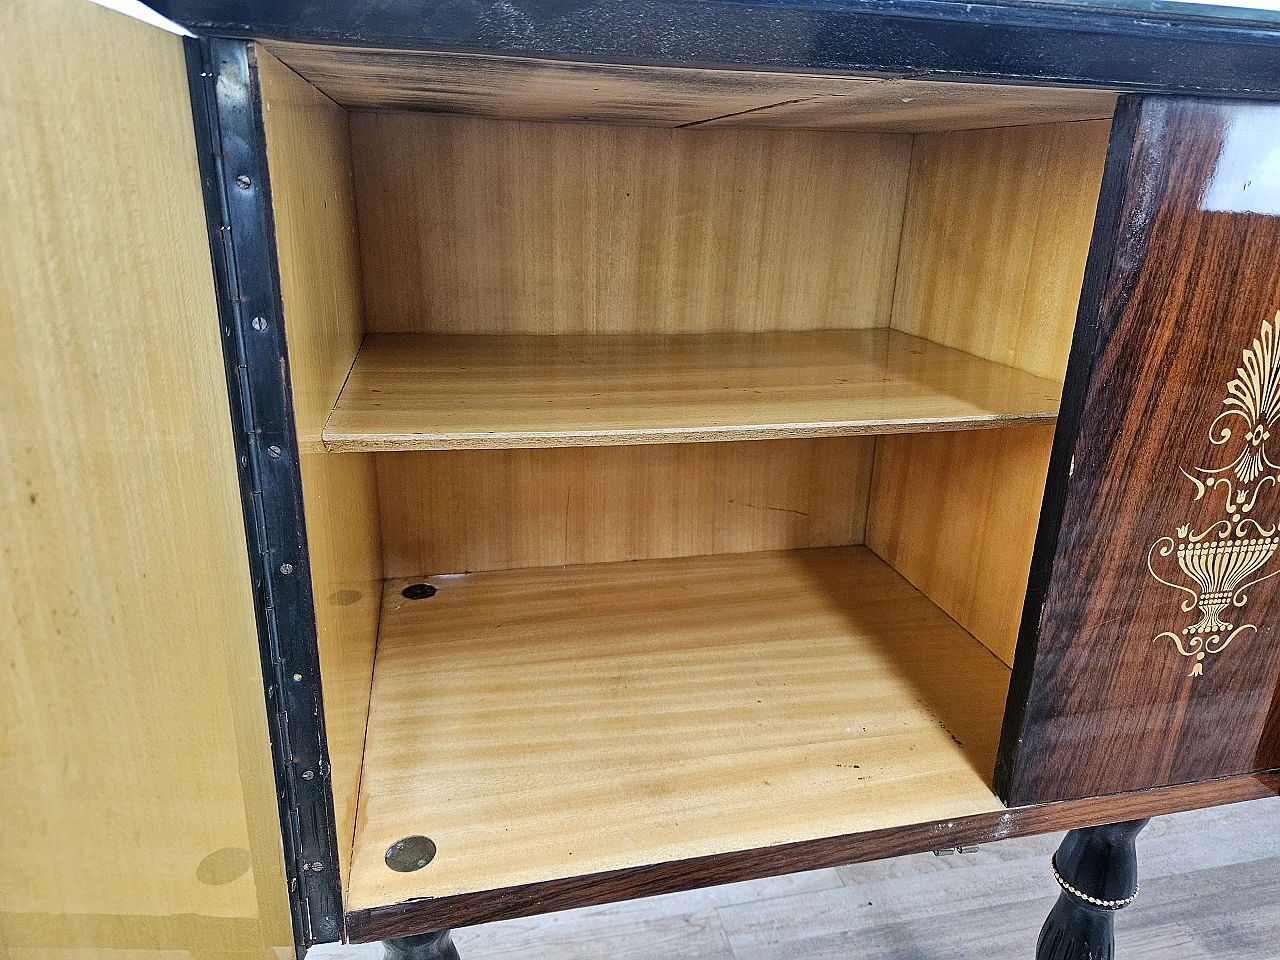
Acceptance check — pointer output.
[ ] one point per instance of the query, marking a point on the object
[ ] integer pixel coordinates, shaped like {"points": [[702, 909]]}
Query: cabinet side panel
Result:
{"points": [[994, 243], [995, 238], [1159, 650], [308, 154], [501, 509], [135, 767], [481, 226], [955, 513]]}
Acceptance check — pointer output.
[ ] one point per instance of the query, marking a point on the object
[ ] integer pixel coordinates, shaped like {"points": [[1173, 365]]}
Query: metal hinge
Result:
{"points": [[254, 353], [260, 528]]}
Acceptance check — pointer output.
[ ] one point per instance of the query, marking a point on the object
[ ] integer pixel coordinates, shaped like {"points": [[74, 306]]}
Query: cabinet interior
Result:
{"points": [[716, 409]]}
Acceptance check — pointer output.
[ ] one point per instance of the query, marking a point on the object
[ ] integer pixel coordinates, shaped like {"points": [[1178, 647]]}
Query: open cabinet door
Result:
{"points": [[136, 780], [1150, 645]]}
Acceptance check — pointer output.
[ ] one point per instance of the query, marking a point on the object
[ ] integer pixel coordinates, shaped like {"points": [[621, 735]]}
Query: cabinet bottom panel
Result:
{"points": [[548, 723]]}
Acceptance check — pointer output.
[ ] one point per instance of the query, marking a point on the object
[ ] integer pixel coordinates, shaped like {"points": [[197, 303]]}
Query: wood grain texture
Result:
{"points": [[922, 907], [557, 722], [466, 510], [136, 777], [995, 237], [994, 240], [480, 226], [309, 162], [511, 87], [402, 919], [1190, 279], [955, 513], [444, 392]]}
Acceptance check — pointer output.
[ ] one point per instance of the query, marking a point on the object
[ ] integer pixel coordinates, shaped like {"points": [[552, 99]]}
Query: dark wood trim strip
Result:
{"points": [[1174, 49], [418, 916]]}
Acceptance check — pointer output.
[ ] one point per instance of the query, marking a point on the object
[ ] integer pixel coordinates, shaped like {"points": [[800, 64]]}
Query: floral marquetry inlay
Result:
{"points": [[1222, 561]]}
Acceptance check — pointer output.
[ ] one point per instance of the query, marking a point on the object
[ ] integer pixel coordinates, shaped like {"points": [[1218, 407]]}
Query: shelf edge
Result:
{"points": [[344, 442]]}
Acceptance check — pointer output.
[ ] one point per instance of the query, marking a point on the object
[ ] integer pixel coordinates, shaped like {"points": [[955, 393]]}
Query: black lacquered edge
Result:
{"points": [[228, 120], [1003, 43]]}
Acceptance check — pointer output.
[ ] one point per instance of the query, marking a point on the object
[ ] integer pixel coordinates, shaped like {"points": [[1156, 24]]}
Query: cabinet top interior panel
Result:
{"points": [[530, 88], [439, 392], [557, 722]]}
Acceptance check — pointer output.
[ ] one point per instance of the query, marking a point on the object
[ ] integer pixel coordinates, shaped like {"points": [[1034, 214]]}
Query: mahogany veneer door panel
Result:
{"points": [[1158, 648]]}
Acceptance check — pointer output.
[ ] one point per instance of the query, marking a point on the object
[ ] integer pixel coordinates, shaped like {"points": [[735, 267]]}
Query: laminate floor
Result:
{"points": [[1210, 889]]}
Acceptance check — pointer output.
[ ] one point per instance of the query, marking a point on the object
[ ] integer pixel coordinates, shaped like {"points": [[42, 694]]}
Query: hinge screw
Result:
{"points": [[243, 182], [952, 851], [317, 867], [273, 452], [297, 677], [308, 774], [286, 568], [259, 323]]}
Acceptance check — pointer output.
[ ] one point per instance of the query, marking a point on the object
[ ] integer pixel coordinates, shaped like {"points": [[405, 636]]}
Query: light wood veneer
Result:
{"points": [[446, 511], [555, 722], [441, 392], [955, 513], [312, 199], [994, 240], [529, 88], [137, 800], [470, 225]]}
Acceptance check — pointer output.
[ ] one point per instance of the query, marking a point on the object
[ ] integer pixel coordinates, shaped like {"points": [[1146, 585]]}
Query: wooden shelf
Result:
{"points": [[434, 392], [561, 722]]}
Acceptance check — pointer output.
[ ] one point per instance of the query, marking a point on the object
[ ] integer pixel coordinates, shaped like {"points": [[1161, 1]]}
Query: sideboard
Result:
{"points": [[470, 460]]}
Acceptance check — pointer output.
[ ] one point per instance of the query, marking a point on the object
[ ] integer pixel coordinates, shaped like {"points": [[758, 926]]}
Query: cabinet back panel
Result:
{"points": [[456, 510], [311, 191], [482, 226]]}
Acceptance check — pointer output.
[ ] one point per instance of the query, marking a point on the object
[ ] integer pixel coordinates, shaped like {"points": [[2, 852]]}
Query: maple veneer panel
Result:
{"points": [[481, 226], [995, 237], [956, 514], [136, 778], [527, 88], [555, 722], [997, 228], [455, 510], [308, 157], [420, 392]]}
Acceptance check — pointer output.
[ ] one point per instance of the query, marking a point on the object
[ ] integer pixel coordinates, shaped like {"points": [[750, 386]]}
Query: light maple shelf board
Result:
{"points": [[440, 392], [557, 722]]}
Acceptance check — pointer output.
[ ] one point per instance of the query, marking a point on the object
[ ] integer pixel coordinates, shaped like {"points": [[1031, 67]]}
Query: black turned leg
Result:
{"points": [[425, 946], [1097, 869]]}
